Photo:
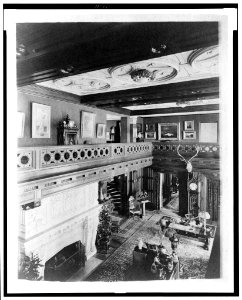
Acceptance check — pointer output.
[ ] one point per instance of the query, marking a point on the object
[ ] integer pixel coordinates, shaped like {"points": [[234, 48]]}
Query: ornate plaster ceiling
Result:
{"points": [[185, 66]]}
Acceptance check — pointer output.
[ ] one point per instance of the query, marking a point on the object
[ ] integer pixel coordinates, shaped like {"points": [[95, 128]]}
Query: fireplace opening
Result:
{"points": [[65, 263]]}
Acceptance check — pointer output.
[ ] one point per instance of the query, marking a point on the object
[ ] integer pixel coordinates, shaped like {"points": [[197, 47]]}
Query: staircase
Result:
{"points": [[113, 191]]}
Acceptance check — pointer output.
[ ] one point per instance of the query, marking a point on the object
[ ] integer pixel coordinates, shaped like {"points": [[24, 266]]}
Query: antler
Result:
{"points": [[182, 158], [197, 148]]}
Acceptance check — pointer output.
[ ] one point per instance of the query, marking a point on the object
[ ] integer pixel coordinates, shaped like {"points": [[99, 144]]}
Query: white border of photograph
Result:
{"points": [[20, 124], [40, 121]]}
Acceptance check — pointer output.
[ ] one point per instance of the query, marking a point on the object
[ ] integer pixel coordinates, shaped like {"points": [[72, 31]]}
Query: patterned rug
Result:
{"points": [[193, 258]]}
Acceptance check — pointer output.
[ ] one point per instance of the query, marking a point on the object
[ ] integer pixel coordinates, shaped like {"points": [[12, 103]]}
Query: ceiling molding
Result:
{"points": [[118, 110], [44, 92], [178, 110], [182, 114]]}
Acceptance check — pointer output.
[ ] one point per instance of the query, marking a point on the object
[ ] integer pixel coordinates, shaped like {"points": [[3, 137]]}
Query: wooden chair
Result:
{"points": [[134, 207]]}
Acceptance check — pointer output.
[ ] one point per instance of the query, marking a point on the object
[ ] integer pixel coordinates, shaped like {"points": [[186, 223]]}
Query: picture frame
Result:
{"points": [[139, 127], [101, 131], [41, 115], [188, 125], [20, 122], [151, 135], [168, 131], [150, 127], [87, 124], [189, 135]]}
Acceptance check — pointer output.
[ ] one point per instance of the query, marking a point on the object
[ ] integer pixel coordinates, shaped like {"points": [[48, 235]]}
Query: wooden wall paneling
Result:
{"points": [[183, 194], [213, 199]]}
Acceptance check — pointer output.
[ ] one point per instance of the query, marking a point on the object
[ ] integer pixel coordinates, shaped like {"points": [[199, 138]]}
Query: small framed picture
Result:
{"points": [[101, 128], [150, 127], [188, 125], [20, 126], [189, 135], [139, 127], [40, 121], [150, 135]]}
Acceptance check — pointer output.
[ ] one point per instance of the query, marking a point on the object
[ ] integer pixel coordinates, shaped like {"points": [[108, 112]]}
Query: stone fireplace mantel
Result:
{"points": [[62, 219]]}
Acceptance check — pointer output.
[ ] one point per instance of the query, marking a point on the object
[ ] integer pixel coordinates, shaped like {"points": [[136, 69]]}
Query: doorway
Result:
{"points": [[170, 192]]}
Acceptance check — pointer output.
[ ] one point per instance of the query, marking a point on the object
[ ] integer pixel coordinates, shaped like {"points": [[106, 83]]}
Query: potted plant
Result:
{"points": [[29, 267]]}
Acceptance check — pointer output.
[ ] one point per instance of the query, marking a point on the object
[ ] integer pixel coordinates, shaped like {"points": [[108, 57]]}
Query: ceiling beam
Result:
{"points": [[188, 90], [88, 46], [152, 100]]}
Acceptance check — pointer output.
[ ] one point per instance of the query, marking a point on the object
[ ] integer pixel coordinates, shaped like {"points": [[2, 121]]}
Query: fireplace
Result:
{"points": [[66, 262], [53, 230]]}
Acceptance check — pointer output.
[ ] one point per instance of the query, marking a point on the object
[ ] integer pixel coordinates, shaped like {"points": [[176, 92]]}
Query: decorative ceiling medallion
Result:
{"points": [[66, 81], [165, 73], [91, 84], [144, 72], [205, 59], [141, 75], [120, 70]]}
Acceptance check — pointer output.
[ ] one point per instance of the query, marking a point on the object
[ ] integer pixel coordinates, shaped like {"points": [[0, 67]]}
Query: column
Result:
{"points": [[125, 130], [162, 180], [133, 130]]}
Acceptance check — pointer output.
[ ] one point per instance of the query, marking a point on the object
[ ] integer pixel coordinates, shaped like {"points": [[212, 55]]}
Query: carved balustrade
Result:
{"points": [[47, 157], [205, 149], [35, 162]]}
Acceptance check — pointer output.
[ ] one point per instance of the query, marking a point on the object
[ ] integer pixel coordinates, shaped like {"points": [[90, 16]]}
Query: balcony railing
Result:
{"points": [[37, 162], [38, 158]]}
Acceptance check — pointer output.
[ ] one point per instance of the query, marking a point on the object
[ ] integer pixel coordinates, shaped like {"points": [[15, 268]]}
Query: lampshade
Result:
{"points": [[204, 215]]}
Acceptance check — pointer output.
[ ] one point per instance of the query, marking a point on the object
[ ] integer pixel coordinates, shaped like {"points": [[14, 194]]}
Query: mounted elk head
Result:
{"points": [[188, 162]]}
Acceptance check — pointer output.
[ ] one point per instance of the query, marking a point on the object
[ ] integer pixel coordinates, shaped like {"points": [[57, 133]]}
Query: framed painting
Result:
{"points": [[168, 131], [40, 121], [188, 125], [101, 128], [208, 132], [150, 127], [189, 135], [87, 124], [139, 127], [20, 124], [150, 135]]}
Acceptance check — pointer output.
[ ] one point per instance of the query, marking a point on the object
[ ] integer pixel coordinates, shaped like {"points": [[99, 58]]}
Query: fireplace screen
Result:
{"points": [[65, 263]]}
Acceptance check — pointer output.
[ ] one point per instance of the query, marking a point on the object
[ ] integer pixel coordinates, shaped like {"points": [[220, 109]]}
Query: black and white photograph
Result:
{"points": [[93, 206]]}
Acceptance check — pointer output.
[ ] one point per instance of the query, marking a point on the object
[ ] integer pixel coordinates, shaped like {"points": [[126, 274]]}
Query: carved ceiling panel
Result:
{"points": [[185, 66]]}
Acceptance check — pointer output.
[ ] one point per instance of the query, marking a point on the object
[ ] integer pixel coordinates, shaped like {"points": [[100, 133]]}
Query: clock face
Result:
{"points": [[193, 186]]}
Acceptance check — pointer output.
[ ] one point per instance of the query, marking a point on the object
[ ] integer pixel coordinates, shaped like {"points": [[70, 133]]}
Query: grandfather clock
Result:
{"points": [[192, 188]]}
